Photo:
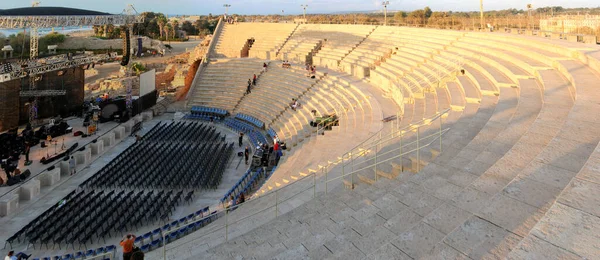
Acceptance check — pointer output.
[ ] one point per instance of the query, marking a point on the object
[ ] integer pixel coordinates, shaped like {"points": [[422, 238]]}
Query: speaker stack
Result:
{"points": [[126, 48]]}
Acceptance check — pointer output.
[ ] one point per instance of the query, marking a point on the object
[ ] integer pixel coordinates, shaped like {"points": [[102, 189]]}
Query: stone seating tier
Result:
{"points": [[492, 181]]}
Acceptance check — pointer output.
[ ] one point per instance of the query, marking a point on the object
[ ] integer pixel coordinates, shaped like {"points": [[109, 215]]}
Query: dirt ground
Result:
{"points": [[108, 69]]}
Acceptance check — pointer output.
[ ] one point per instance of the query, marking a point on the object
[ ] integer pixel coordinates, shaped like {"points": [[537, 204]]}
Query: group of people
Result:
{"points": [[230, 19], [232, 201], [251, 84], [286, 64], [247, 150]]}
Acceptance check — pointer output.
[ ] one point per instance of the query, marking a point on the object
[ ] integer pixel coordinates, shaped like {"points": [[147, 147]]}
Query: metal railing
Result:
{"points": [[108, 255], [268, 205]]}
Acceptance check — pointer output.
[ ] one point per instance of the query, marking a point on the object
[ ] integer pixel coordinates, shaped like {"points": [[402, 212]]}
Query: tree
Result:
{"points": [[417, 16], [189, 28], [161, 20], [168, 29], [175, 28], [428, 12], [400, 16]]}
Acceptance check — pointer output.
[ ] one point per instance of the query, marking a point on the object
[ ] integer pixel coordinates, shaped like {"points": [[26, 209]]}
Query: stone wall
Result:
{"points": [[92, 43], [166, 76]]}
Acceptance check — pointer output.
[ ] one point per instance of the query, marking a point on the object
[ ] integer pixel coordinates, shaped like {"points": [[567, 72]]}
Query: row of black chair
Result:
{"points": [[141, 186]]}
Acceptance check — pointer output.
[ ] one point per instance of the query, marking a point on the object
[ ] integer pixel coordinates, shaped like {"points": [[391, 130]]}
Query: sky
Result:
{"points": [[190, 7]]}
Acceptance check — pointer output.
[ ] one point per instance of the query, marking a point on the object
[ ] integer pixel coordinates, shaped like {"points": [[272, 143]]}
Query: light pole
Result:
{"points": [[481, 14], [385, 4], [304, 7], [226, 8], [529, 6]]}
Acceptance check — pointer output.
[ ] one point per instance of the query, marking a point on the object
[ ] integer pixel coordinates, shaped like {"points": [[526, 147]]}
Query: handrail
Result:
{"points": [[313, 174], [215, 39], [397, 156]]}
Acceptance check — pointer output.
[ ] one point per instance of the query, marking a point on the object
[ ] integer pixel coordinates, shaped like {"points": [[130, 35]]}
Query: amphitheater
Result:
{"points": [[450, 145]]}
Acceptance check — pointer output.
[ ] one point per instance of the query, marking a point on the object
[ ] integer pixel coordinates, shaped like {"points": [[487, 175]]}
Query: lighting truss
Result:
{"points": [[42, 93], [23, 69], [20, 22]]}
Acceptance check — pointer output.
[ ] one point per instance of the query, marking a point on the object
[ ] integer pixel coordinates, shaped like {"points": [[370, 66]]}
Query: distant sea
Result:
{"points": [[44, 31]]}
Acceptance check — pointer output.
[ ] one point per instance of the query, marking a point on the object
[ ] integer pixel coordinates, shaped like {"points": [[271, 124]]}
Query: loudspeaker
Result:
{"points": [[25, 175], [126, 48]]}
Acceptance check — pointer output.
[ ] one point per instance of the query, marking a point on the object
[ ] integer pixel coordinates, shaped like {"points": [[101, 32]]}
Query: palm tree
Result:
{"points": [[161, 20], [175, 25], [167, 30]]}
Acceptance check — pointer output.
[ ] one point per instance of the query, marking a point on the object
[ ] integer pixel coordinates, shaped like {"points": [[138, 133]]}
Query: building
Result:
{"points": [[570, 23]]}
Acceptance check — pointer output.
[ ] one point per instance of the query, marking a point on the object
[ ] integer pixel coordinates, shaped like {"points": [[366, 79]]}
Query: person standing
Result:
{"points": [[72, 165], [27, 148], [248, 89], [241, 139], [254, 80], [127, 244], [246, 154]]}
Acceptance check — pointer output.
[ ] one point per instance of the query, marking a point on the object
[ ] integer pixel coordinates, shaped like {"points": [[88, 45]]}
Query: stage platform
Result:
{"points": [[37, 152]]}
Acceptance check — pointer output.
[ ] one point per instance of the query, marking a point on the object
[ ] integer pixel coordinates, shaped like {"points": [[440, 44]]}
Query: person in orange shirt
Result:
{"points": [[127, 244]]}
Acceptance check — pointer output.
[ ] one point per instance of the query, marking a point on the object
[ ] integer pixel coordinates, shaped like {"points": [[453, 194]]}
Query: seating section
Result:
{"points": [[83, 216], [141, 186], [108, 252], [416, 62], [255, 135], [250, 119], [274, 92], [224, 82], [267, 37], [191, 150], [514, 177], [248, 183], [208, 111], [336, 40]]}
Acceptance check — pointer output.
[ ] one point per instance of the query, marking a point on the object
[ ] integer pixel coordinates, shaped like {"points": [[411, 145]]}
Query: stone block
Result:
{"points": [[146, 116], [590, 39], [50, 178], [119, 132], [98, 147], [80, 158], [88, 154], [64, 168], [128, 126], [30, 190], [137, 119], [572, 38], [9, 204], [108, 139]]}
